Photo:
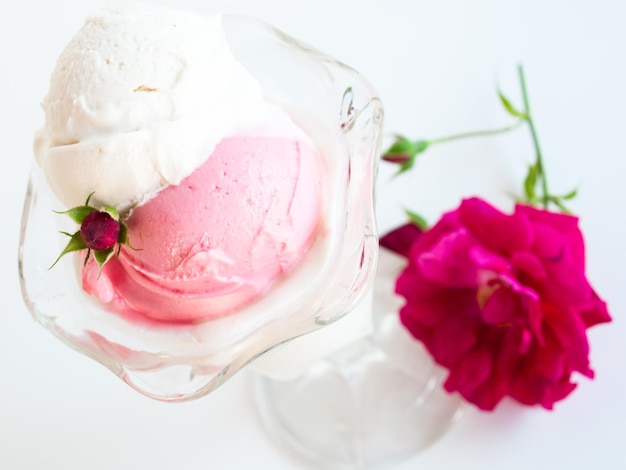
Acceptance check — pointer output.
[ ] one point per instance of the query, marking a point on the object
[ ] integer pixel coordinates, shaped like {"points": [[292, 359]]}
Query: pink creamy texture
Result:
{"points": [[218, 240]]}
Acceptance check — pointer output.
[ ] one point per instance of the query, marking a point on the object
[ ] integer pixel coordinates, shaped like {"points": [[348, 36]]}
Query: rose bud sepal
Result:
{"points": [[100, 231]]}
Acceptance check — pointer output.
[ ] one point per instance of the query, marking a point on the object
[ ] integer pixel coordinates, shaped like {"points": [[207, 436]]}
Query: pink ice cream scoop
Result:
{"points": [[218, 240]]}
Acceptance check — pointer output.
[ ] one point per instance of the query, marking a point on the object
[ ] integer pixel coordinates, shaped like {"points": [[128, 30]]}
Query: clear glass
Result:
{"points": [[339, 111], [377, 401]]}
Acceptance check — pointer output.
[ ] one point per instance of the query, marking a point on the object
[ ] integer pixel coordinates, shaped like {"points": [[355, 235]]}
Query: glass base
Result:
{"points": [[377, 401]]}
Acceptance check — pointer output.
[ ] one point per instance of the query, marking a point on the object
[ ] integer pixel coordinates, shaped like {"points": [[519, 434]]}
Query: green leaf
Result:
{"points": [[559, 203], [408, 150], [401, 146], [124, 239], [89, 198], [78, 214], [510, 108], [416, 219], [112, 211], [406, 166], [404, 146], [530, 182], [102, 256], [571, 195], [76, 243]]}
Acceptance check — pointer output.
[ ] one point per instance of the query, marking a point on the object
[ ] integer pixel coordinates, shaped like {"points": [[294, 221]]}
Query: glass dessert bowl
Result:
{"points": [[169, 336]]}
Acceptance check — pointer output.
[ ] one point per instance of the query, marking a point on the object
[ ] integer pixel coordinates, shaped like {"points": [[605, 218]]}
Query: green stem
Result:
{"points": [[482, 133], [533, 131]]}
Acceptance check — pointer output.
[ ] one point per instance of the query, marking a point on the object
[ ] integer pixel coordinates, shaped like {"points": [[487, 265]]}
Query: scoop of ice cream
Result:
{"points": [[138, 99], [217, 240]]}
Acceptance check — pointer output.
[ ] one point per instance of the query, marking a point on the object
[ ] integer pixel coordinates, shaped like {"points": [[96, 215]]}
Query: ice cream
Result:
{"points": [[217, 240], [138, 99], [221, 191]]}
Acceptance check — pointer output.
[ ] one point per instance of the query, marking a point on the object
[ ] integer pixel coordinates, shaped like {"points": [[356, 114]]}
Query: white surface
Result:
{"points": [[436, 65]]}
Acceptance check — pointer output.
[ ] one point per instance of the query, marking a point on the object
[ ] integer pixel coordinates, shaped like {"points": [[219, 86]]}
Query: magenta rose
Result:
{"points": [[502, 301]]}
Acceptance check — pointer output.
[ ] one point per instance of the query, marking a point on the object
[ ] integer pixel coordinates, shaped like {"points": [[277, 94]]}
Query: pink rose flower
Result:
{"points": [[502, 301]]}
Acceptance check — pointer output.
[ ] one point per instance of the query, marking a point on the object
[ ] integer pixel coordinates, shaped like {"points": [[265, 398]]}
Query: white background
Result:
{"points": [[436, 65]]}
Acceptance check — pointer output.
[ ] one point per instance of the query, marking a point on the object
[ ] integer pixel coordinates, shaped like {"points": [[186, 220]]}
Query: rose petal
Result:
{"points": [[453, 339], [401, 239], [544, 394], [595, 312], [556, 393], [487, 396], [572, 289], [470, 373], [570, 332], [432, 303], [499, 232], [506, 344], [487, 260], [565, 224], [449, 222], [549, 244], [448, 262], [507, 301], [528, 265], [412, 322], [544, 377], [525, 342], [535, 320], [501, 305], [547, 363]]}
